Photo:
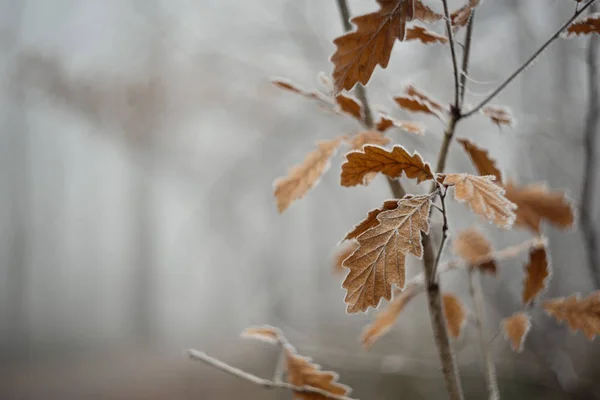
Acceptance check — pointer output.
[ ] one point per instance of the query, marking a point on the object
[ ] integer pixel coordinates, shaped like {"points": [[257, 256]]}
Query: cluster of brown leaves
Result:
{"points": [[300, 370], [585, 26]]}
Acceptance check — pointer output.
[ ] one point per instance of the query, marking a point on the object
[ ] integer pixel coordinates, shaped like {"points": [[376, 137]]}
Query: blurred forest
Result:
{"points": [[139, 141]]}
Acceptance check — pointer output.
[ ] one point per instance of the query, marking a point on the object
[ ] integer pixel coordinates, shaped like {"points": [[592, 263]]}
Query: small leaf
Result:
{"points": [[301, 178], [412, 91], [579, 313], [265, 333], [385, 122], [483, 196], [473, 247], [454, 313], [350, 106], [536, 204], [460, 17], [585, 26], [391, 163], [379, 261], [499, 115], [385, 319], [416, 104], [289, 86], [343, 252], [516, 328], [480, 158], [371, 220], [357, 141], [424, 35], [537, 273]]}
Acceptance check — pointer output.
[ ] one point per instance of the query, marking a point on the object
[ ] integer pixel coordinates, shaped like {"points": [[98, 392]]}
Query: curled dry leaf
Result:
{"points": [[516, 328], [390, 163], [460, 17], [585, 26], [379, 261], [357, 141], [265, 333], [385, 319], [537, 273], [536, 204], [473, 247], [385, 122], [371, 220], [302, 372], [579, 313], [343, 252], [454, 313], [424, 35], [483, 196], [350, 106], [301, 178], [499, 115], [480, 158]]}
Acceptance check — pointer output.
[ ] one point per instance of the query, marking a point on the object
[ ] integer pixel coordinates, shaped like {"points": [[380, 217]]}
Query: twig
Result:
{"points": [[589, 173], [444, 236], [528, 62], [266, 383], [491, 379], [466, 54], [453, 52]]}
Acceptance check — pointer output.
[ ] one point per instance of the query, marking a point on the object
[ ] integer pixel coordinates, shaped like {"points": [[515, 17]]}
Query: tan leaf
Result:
{"points": [[343, 252], [499, 115], [460, 17], [415, 104], [360, 51], [454, 313], [537, 273], [536, 204], [302, 177], [371, 220], [412, 91], [289, 86], [424, 35], [480, 158], [516, 328], [483, 196], [385, 122], [368, 137], [579, 313], [473, 247], [390, 163], [350, 106], [265, 333], [585, 26], [385, 319], [379, 261], [302, 372]]}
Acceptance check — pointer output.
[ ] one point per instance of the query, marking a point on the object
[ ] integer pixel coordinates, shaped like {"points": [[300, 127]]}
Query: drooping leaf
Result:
{"points": [[480, 158], [460, 17], [537, 273], [302, 177], [454, 313], [536, 204], [357, 141], [583, 314], [416, 104], [385, 319], [483, 196], [391, 163], [266, 333], [473, 247], [385, 122], [499, 115], [424, 35], [516, 328], [585, 26], [434, 104], [371, 220], [350, 106], [379, 261], [342, 253]]}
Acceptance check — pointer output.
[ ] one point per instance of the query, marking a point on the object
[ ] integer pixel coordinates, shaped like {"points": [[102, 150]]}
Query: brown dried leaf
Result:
{"points": [[473, 247], [412, 91], [585, 26], [265, 333], [415, 104], [343, 252], [498, 114], [390, 163], [357, 141], [537, 272], [386, 318], [516, 328], [350, 106], [460, 17], [579, 313], [536, 204], [480, 158], [379, 261], [371, 220], [302, 177], [454, 313], [425, 14], [289, 86], [424, 35], [483, 196], [302, 372], [386, 122]]}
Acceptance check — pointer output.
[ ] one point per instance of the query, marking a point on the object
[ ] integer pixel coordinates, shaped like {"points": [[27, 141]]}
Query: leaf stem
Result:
{"points": [[433, 276], [465, 61], [453, 52]]}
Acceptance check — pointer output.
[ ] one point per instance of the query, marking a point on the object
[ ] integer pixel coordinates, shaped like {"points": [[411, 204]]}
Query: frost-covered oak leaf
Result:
{"points": [[583, 314], [424, 35], [342, 253], [266, 333], [480, 158], [537, 274], [585, 26], [357, 141], [473, 247], [379, 261], [454, 313], [515, 329], [385, 122], [461, 16], [302, 177], [371, 220]]}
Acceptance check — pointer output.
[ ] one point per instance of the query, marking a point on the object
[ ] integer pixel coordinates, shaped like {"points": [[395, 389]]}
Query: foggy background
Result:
{"points": [[139, 141]]}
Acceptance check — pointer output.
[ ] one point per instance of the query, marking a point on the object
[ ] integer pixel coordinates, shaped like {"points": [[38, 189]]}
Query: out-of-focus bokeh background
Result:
{"points": [[139, 141]]}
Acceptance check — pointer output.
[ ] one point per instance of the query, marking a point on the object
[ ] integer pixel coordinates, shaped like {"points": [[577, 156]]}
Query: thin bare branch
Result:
{"points": [[266, 383], [444, 236], [465, 61], [453, 52]]}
